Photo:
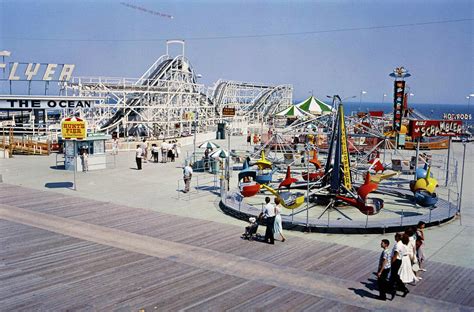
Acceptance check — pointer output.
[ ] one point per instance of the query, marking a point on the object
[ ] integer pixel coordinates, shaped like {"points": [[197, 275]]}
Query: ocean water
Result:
{"points": [[432, 111]]}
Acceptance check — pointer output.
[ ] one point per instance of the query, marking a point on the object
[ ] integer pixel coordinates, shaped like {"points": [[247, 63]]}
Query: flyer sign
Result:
{"points": [[432, 128], [73, 128]]}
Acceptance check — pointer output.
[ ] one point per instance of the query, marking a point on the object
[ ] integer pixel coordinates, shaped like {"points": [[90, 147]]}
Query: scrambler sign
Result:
{"points": [[432, 128], [73, 128]]}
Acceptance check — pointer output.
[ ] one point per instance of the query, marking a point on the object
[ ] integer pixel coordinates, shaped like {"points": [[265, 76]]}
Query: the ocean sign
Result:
{"points": [[46, 102], [433, 128]]}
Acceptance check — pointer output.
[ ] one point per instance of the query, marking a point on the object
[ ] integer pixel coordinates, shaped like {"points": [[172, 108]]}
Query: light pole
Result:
{"points": [[360, 98], [383, 98], [469, 102], [4, 54]]}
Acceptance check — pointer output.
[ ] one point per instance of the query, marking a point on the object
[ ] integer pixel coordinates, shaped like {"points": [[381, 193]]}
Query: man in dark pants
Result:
{"points": [[383, 269], [138, 157], [269, 215], [395, 281]]}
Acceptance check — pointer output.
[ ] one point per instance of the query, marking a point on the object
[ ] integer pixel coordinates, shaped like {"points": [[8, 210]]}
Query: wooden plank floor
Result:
{"points": [[50, 271]]}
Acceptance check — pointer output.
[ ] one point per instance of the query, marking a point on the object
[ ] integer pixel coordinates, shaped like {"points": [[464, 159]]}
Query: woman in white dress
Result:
{"points": [[406, 270], [278, 227]]}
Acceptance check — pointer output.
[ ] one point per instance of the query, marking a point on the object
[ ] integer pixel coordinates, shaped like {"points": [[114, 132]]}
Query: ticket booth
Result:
{"points": [[94, 144]]}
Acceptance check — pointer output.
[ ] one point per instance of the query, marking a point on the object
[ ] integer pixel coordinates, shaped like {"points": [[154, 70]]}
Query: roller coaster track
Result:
{"points": [[259, 101], [150, 78]]}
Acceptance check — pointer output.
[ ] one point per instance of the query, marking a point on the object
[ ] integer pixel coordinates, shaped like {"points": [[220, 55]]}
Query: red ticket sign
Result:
{"points": [[432, 128]]}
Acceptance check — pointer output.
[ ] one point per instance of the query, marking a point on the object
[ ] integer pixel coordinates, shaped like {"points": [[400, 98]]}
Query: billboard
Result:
{"points": [[73, 128], [398, 103], [432, 128]]}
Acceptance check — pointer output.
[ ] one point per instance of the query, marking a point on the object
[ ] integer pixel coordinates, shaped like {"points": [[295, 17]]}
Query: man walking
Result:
{"points": [[187, 175], [138, 157], [269, 215], [383, 269]]}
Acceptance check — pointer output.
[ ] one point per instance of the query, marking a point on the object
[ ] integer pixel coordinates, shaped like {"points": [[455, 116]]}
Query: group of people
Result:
{"points": [[169, 151], [256, 138], [271, 218], [403, 263]]}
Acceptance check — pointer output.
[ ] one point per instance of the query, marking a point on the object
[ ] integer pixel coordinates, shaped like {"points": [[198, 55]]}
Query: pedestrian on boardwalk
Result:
{"points": [[145, 150], [255, 139], [411, 249], [269, 216], [187, 175], [170, 151], [406, 270], [384, 270], [138, 157], [115, 147], [249, 138], [85, 159], [154, 152], [164, 151], [178, 149], [420, 245], [278, 227], [395, 282]]}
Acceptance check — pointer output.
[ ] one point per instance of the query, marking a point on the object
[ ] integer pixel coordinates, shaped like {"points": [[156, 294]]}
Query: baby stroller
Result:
{"points": [[251, 229]]}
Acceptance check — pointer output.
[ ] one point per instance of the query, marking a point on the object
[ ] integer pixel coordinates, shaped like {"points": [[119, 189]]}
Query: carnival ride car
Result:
{"points": [[424, 187], [265, 171], [288, 199], [315, 175]]}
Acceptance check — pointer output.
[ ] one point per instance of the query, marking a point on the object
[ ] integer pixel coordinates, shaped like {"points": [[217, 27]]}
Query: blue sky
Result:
{"points": [[106, 38]]}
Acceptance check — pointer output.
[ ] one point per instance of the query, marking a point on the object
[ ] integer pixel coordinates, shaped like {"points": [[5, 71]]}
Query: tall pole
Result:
{"points": [[194, 138], [307, 185], [464, 143], [228, 158], [447, 163]]}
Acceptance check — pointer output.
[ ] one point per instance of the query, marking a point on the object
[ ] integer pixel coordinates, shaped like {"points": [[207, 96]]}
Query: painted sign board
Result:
{"points": [[398, 103], [19, 71], [461, 116], [228, 111], [46, 102], [73, 128], [432, 128]]}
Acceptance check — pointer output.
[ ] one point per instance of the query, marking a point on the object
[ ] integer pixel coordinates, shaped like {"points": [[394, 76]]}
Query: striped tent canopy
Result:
{"points": [[314, 106], [292, 112]]}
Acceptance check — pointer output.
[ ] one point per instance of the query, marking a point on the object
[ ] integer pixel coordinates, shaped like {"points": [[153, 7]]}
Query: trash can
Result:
{"points": [[220, 135]]}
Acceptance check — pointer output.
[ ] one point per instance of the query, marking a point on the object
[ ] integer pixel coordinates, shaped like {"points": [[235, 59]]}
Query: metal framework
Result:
{"points": [[167, 101]]}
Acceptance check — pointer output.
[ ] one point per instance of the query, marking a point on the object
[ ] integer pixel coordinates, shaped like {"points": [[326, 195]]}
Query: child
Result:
{"points": [[250, 229]]}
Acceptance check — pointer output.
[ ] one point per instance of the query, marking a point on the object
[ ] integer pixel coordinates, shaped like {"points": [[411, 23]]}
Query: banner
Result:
{"points": [[73, 128], [432, 128], [46, 102], [398, 103]]}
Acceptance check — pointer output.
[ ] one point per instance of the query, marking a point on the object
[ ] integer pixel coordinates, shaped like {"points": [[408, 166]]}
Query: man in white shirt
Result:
{"points": [[187, 175], [269, 215], [383, 270], [138, 157]]}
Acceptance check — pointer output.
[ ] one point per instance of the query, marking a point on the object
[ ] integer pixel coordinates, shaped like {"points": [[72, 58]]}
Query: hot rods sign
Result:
{"points": [[431, 128]]}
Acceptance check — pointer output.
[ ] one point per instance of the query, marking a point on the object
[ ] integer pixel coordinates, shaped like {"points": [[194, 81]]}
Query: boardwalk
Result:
{"points": [[61, 252]]}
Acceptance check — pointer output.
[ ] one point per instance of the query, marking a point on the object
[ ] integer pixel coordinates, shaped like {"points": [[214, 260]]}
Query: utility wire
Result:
{"points": [[253, 36]]}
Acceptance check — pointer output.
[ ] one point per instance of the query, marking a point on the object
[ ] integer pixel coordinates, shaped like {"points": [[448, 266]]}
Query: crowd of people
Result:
{"points": [[402, 264], [169, 152]]}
